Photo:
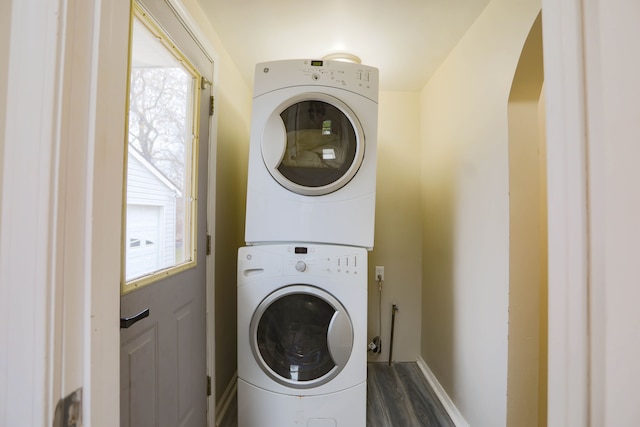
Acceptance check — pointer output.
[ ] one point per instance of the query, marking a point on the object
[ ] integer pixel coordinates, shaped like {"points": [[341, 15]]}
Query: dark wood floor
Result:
{"points": [[397, 396]]}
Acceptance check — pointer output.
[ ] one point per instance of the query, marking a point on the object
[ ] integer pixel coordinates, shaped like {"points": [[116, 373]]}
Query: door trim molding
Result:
{"points": [[195, 30], [106, 112], [567, 175], [30, 372]]}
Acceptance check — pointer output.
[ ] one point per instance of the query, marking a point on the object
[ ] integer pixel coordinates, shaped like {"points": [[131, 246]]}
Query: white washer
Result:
{"points": [[302, 318], [312, 154]]}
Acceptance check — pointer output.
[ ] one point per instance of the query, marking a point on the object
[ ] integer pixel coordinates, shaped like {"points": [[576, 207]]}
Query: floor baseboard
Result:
{"points": [[444, 398], [225, 400]]}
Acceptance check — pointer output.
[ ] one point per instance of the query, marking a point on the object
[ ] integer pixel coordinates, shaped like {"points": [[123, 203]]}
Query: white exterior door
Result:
{"points": [[163, 371]]}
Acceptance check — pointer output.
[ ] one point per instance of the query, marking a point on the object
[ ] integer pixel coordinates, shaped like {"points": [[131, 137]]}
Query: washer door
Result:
{"points": [[301, 336], [313, 144]]}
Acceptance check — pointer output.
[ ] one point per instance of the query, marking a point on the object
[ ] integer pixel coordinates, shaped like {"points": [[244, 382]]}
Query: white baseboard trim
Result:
{"points": [[225, 400], [444, 398]]}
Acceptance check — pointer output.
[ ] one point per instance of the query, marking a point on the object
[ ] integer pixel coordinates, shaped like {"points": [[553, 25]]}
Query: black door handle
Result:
{"points": [[125, 322]]}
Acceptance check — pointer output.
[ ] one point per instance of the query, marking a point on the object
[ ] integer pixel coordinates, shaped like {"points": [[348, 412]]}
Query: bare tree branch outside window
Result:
{"points": [[157, 116]]}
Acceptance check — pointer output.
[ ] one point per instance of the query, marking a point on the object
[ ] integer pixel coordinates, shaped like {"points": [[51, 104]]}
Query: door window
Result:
{"points": [[162, 154]]}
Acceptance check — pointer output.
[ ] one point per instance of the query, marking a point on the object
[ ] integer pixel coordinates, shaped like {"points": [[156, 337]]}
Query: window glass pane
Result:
{"points": [[161, 142]]}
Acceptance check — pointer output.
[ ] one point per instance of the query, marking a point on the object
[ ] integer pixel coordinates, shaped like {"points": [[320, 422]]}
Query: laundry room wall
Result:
{"points": [[465, 212], [233, 109], [527, 373], [397, 230]]}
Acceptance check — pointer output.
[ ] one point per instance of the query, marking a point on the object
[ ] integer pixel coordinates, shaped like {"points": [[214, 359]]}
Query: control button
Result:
{"points": [[315, 76], [301, 266]]}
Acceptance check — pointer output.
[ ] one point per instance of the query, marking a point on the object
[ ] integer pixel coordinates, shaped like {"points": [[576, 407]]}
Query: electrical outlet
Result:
{"points": [[379, 273]]}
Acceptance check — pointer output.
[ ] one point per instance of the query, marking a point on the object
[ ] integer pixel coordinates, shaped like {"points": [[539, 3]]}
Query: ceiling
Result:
{"points": [[405, 39]]}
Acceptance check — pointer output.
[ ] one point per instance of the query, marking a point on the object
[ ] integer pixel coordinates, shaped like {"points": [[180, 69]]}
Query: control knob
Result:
{"points": [[301, 266]]}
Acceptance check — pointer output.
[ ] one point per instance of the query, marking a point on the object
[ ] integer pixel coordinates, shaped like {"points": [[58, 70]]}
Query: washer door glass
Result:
{"points": [[302, 336], [313, 144]]}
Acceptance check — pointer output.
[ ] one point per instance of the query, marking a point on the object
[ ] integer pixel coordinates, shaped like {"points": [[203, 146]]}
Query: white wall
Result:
{"points": [[397, 244], [465, 212]]}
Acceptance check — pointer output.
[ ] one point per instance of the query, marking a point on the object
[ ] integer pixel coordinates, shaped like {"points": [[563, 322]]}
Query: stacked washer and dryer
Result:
{"points": [[302, 279]]}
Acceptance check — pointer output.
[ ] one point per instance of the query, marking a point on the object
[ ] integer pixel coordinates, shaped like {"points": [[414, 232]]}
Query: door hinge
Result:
{"points": [[208, 385], [211, 99], [208, 244], [68, 412], [204, 83]]}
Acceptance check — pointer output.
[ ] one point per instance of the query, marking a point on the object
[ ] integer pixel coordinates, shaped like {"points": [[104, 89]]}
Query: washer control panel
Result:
{"points": [[320, 260], [306, 263]]}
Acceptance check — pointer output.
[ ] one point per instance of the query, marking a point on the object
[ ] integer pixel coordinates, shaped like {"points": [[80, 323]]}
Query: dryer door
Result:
{"points": [[301, 336], [313, 144]]}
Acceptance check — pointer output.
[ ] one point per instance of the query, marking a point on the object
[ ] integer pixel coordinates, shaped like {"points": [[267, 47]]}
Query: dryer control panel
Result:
{"points": [[357, 78]]}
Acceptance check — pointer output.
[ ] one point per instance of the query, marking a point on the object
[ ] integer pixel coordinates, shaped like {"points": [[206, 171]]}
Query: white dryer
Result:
{"points": [[302, 319], [312, 154]]}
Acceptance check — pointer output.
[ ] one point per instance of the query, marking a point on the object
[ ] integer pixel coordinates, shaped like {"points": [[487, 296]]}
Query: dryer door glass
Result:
{"points": [[313, 145], [293, 336], [321, 144]]}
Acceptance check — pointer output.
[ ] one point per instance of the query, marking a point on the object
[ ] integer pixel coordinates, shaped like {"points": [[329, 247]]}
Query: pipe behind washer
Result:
{"points": [[394, 308]]}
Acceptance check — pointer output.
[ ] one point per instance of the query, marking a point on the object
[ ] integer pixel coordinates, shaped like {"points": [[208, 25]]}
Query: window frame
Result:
{"points": [[191, 171]]}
